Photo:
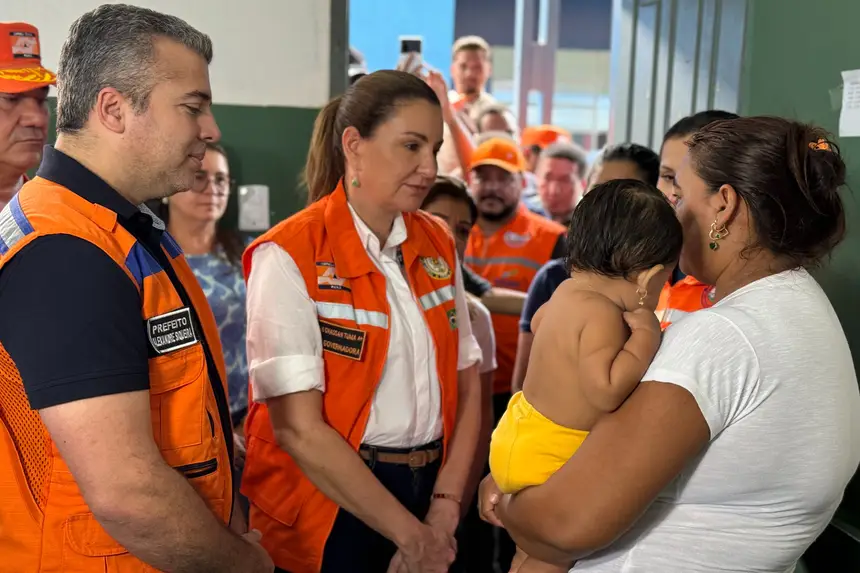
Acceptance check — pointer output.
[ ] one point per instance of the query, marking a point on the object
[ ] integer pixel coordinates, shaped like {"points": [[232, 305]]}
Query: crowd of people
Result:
{"points": [[472, 351]]}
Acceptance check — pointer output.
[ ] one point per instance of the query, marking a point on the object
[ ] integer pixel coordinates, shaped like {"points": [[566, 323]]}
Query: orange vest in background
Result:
{"points": [[294, 517], [511, 258], [680, 299], [45, 524]]}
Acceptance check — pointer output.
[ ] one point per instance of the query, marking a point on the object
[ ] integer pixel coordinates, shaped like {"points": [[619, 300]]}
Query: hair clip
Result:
{"points": [[820, 145]]}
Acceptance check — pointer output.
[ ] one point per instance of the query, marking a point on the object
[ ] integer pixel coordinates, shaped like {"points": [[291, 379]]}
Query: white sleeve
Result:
{"points": [[709, 356], [284, 342], [482, 329], [469, 352]]}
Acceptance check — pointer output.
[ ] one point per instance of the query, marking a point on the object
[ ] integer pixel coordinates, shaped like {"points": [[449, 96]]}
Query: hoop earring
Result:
{"points": [[643, 294], [716, 235], [355, 183]]}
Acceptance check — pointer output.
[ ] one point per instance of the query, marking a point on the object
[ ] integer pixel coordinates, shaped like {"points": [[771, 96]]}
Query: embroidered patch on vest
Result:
{"points": [[516, 240], [327, 279], [343, 341], [171, 331], [452, 318], [436, 267]]}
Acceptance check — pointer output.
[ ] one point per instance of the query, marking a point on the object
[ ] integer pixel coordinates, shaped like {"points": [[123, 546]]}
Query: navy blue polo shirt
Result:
{"points": [[543, 285], [71, 317]]}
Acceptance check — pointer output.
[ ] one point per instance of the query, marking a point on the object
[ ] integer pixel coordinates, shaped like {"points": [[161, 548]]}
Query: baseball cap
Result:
{"points": [[543, 135], [21, 59], [499, 152]]}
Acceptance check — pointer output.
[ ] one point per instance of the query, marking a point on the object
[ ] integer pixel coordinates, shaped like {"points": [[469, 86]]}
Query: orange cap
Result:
{"points": [[21, 60], [499, 152], [543, 135]]}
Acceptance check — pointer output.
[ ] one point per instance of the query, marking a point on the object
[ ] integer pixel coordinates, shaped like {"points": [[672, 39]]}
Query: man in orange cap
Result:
{"points": [[507, 247], [536, 138], [533, 140], [23, 111]]}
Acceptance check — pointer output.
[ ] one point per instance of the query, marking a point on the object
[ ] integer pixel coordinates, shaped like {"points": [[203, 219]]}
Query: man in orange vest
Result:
{"points": [[116, 441], [24, 85], [507, 247]]}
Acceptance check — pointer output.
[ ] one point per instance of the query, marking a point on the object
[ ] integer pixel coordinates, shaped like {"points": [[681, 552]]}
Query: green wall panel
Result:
{"points": [[267, 146], [795, 51]]}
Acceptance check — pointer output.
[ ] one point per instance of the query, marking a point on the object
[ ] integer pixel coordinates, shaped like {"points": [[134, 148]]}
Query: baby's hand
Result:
{"points": [[642, 319]]}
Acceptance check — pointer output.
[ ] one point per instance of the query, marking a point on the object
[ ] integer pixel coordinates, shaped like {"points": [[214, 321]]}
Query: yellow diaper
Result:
{"points": [[528, 447]]}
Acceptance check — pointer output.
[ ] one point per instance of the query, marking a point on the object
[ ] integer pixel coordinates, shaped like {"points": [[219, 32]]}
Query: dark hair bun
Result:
{"points": [[788, 174], [822, 172]]}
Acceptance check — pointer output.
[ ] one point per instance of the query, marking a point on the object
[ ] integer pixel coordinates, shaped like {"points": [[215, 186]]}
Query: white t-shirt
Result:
{"points": [[771, 371], [482, 330]]}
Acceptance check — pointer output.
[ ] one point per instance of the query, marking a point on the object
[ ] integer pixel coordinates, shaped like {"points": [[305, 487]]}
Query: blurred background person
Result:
{"points": [[24, 86], [471, 68], [214, 252], [559, 174]]}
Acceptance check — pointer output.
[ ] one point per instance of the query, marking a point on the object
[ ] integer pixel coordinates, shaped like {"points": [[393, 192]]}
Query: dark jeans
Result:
{"points": [[352, 546], [480, 546]]}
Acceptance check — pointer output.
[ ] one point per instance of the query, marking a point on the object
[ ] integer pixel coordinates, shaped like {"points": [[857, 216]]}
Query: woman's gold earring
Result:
{"points": [[643, 294], [716, 235], [355, 183]]}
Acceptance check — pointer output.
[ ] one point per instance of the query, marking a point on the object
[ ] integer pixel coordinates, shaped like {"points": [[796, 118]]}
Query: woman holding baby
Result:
{"points": [[734, 451]]}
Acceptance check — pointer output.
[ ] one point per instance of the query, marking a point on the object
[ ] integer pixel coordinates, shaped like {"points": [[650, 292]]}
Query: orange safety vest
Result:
{"points": [[45, 524], [511, 258], [294, 517], [680, 299]]}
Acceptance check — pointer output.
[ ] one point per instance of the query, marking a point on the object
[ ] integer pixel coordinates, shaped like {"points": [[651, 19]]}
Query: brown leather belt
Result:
{"points": [[413, 459]]}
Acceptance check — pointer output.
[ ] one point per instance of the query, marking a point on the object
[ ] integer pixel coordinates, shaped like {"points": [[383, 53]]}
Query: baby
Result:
{"points": [[593, 340]]}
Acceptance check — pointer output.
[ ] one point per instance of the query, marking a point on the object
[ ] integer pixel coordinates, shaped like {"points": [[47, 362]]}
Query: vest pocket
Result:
{"points": [[177, 396], [85, 536], [198, 469], [274, 482]]}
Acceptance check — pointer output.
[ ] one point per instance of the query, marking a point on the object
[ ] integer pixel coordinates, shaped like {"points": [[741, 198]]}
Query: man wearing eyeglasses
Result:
{"points": [[24, 86]]}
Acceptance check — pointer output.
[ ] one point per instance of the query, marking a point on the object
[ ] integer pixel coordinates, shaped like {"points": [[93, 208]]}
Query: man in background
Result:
{"points": [[470, 71], [24, 85], [558, 179]]}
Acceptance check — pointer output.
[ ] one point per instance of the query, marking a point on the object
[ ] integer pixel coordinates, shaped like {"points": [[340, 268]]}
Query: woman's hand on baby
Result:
{"points": [[489, 496], [642, 319]]}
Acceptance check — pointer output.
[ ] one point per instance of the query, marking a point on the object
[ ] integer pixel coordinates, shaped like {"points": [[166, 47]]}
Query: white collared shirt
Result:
{"points": [[285, 346]]}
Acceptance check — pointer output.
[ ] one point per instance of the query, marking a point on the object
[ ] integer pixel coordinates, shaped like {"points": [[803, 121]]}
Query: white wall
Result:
{"points": [[267, 52]]}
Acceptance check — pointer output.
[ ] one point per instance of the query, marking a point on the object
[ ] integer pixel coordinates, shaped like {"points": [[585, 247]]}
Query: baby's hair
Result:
{"points": [[622, 227]]}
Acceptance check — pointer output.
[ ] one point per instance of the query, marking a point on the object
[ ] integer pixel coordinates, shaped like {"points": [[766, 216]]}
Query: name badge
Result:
{"points": [[343, 341], [172, 331]]}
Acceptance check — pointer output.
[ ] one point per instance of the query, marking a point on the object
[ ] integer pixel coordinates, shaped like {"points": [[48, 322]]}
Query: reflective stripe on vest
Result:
{"points": [[54, 529], [14, 225], [294, 517]]}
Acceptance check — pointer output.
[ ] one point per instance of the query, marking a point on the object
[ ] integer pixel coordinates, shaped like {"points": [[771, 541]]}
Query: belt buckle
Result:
{"points": [[417, 459]]}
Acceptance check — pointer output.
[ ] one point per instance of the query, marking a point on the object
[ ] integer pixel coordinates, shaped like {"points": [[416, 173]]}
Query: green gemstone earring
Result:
{"points": [[716, 235], [355, 183]]}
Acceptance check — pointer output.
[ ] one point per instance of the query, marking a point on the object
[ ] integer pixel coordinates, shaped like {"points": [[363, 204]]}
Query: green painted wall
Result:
{"points": [[795, 51], [268, 146]]}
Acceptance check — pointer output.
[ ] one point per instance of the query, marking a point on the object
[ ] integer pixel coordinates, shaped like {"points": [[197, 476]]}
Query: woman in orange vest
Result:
{"points": [[682, 294], [365, 394]]}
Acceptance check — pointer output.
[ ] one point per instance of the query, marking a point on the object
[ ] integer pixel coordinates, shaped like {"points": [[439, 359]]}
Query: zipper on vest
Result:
{"points": [[199, 469]]}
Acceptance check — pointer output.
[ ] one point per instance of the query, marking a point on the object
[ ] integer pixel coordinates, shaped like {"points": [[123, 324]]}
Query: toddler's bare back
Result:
{"points": [[553, 382]]}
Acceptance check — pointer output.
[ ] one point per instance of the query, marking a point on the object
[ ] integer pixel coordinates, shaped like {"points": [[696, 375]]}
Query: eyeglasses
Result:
{"points": [[221, 183]]}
